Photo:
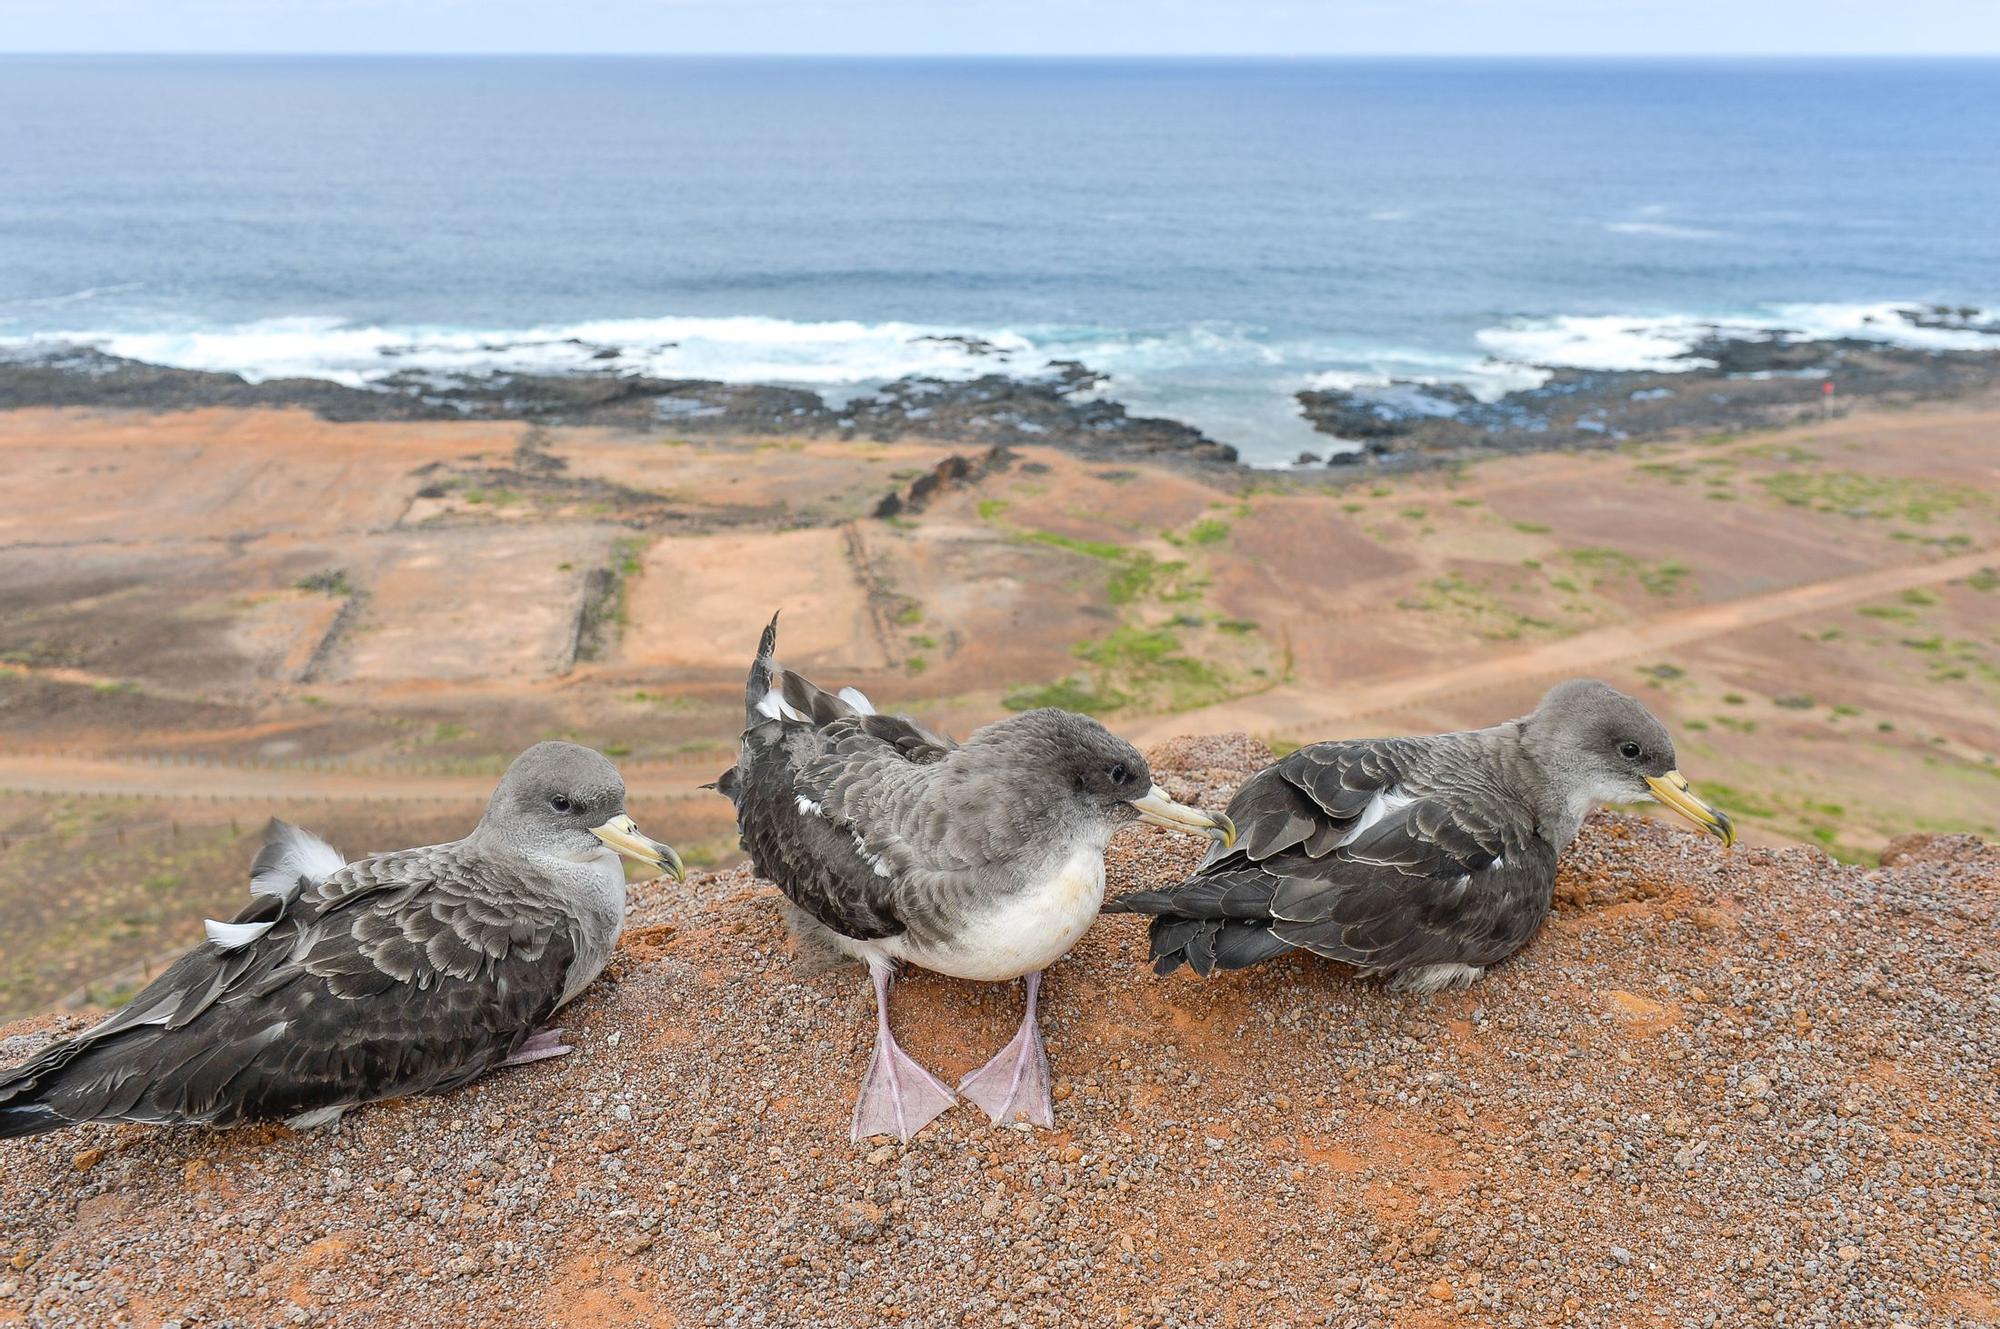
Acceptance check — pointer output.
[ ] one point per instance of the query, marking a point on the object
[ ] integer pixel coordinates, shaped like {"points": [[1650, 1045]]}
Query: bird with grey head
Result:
{"points": [[346, 983], [980, 860], [1424, 860]]}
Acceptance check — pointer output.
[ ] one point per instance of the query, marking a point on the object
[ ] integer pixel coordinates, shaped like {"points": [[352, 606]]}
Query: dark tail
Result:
{"points": [[755, 688], [762, 670], [21, 1110], [18, 1120], [1202, 944]]}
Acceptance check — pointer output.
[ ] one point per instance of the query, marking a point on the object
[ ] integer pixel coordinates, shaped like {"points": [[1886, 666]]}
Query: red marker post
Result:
{"points": [[1826, 399]]}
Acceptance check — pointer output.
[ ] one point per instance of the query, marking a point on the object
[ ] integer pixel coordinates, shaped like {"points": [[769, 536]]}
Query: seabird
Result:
{"points": [[982, 860], [1423, 860], [347, 983]]}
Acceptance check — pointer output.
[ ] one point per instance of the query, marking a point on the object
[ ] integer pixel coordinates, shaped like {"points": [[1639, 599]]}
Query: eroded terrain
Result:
{"points": [[210, 615]]}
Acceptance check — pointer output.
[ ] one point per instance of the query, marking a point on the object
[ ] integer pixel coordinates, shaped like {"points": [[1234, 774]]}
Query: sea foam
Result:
{"points": [[1661, 342], [1236, 382]]}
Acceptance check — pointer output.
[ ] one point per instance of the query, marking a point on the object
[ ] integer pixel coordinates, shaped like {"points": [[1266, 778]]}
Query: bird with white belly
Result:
{"points": [[343, 983], [982, 860]]}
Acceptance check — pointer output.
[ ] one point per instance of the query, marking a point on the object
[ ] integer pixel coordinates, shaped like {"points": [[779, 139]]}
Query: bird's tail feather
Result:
{"points": [[762, 670], [776, 693], [1208, 944], [22, 1111], [291, 860], [23, 1119]]}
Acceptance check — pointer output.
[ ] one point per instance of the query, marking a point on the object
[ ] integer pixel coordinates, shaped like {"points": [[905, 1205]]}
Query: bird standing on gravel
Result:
{"points": [[982, 860], [348, 983], [1424, 860]]}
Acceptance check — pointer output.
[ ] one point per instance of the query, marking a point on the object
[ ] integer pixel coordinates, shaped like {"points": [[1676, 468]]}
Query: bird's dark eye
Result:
{"points": [[1119, 775], [561, 803], [1629, 750]]}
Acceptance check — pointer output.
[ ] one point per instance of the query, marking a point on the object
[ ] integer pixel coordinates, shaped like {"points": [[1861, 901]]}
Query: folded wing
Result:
{"points": [[397, 975], [1337, 855]]}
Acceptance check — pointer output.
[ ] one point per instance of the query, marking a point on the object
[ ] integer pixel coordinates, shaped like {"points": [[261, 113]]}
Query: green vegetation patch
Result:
{"points": [[603, 614], [1144, 577], [1853, 494], [1208, 531], [1069, 694], [1088, 548], [1892, 613], [332, 581], [1665, 578]]}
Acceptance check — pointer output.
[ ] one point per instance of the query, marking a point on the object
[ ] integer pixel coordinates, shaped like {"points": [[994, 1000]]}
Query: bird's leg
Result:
{"points": [[1016, 1082], [538, 1046], [898, 1097]]}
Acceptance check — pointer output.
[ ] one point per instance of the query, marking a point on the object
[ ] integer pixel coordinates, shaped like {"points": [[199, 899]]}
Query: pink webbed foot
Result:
{"points": [[898, 1097], [538, 1046], [1015, 1084]]}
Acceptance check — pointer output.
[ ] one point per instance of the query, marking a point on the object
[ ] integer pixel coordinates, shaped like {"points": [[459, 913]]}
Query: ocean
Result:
{"points": [[1213, 234]]}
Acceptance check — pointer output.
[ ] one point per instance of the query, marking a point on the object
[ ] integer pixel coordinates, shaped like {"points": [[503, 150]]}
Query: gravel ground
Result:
{"points": [[1748, 1089]]}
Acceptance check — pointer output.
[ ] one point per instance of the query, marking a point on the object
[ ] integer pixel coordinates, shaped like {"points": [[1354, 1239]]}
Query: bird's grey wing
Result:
{"points": [[401, 974], [1308, 802], [811, 855], [1462, 880], [1335, 856], [908, 811], [1316, 797]]}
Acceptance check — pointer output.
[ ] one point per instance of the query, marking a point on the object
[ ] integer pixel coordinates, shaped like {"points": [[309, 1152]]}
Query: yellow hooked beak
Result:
{"points": [[623, 835], [1160, 810], [1672, 790]]}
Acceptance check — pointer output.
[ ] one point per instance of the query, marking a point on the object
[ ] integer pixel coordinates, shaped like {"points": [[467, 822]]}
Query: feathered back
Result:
{"points": [[775, 699]]}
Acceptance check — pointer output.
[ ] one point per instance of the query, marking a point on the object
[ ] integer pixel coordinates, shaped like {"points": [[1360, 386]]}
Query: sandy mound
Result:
{"points": [[1748, 1089]]}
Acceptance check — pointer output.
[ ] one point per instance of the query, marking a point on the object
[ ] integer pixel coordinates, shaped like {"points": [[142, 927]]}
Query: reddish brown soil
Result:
{"points": [[1719, 1089]]}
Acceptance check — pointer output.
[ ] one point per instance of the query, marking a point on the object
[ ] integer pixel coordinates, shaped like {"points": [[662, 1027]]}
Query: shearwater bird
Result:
{"points": [[1423, 860], [347, 983], [982, 860]]}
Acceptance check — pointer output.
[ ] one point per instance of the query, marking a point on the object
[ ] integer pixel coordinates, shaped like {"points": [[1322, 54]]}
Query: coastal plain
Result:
{"points": [[208, 616]]}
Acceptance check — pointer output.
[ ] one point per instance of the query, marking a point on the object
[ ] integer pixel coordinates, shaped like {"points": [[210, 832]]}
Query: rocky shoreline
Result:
{"points": [[1729, 382], [1057, 406]]}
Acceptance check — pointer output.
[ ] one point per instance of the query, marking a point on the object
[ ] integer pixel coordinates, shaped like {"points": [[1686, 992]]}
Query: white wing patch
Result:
{"points": [[773, 707], [303, 860], [854, 697], [810, 808], [1381, 805], [869, 856], [233, 936]]}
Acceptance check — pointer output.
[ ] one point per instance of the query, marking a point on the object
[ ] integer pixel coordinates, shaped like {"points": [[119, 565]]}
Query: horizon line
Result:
{"points": [[1191, 57]]}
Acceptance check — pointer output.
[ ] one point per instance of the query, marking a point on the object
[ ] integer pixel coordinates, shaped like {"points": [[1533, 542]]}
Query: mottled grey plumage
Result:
{"points": [[1424, 859], [982, 860], [405, 973]]}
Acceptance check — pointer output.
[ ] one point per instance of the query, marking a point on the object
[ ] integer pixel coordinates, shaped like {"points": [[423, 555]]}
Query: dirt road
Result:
{"points": [[1292, 710], [1297, 711], [41, 773]]}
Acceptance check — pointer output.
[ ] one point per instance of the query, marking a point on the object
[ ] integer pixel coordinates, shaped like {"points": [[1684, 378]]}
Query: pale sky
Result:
{"points": [[1003, 27]]}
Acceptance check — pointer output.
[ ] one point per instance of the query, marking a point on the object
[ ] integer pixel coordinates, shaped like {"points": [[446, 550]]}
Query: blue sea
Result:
{"points": [[1214, 234]]}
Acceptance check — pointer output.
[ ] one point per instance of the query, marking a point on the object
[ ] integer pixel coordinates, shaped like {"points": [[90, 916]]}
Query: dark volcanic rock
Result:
{"points": [[1952, 318], [1731, 383], [970, 345], [80, 376], [948, 474], [1048, 408], [1056, 407]]}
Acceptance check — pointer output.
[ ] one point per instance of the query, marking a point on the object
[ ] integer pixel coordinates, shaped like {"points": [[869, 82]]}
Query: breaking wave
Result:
{"points": [[1235, 382]]}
